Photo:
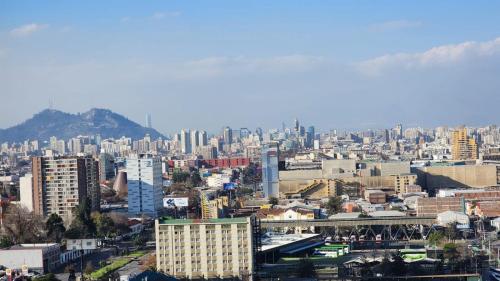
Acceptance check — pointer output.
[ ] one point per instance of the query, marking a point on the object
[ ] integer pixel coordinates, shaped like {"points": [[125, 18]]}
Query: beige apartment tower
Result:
{"points": [[213, 248], [463, 147]]}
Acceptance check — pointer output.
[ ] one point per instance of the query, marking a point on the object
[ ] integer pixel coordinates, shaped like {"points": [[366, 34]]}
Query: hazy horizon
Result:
{"points": [[210, 64]]}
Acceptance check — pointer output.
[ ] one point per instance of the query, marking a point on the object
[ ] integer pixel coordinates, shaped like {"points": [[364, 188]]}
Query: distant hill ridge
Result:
{"points": [[63, 125]]}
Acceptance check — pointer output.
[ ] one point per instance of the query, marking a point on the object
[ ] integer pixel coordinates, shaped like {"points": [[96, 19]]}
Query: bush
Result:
{"points": [[98, 274]]}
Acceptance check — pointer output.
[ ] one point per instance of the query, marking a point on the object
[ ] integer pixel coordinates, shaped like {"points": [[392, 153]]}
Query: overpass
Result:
{"points": [[382, 221], [385, 228]]}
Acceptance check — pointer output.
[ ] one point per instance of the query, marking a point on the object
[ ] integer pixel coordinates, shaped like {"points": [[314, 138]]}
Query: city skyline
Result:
{"points": [[260, 64]]}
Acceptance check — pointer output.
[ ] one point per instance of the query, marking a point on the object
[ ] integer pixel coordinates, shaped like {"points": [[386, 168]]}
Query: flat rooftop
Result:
{"points": [[205, 221]]}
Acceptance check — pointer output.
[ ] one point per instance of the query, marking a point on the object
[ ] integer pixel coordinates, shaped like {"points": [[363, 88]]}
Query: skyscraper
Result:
{"points": [[270, 177], [228, 135], [296, 125], [185, 141], [463, 146], [144, 179], [148, 121], [106, 166], [195, 141], [202, 138], [62, 183]]}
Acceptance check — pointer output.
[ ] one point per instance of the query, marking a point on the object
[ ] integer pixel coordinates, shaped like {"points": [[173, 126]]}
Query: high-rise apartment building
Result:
{"points": [[62, 183], [213, 248], [463, 146], [144, 180], [26, 191], [270, 175]]}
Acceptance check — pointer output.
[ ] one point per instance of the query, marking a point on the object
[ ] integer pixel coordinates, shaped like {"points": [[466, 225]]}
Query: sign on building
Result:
{"points": [[172, 202], [81, 244]]}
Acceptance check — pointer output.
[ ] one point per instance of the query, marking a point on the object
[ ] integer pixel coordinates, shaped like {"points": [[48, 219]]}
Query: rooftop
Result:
{"points": [[205, 221]]}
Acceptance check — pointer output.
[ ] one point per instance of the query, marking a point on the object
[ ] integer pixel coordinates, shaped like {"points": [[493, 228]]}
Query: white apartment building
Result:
{"points": [[144, 180], [210, 248]]}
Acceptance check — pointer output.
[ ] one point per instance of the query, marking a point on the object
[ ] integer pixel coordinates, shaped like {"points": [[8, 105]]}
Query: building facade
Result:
{"points": [[215, 248], [463, 146], [62, 183], [270, 176], [144, 180]]}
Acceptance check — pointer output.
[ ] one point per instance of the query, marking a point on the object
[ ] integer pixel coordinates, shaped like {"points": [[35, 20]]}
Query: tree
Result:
{"points": [[105, 227], [139, 241], [82, 226], [55, 228], [451, 254], [334, 205], [47, 277], [22, 226], [149, 263], [194, 179], [305, 268], [435, 238], [273, 201], [5, 242]]}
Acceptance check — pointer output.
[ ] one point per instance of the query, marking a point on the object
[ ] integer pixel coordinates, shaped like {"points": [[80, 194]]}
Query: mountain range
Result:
{"points": [[63, 125]]}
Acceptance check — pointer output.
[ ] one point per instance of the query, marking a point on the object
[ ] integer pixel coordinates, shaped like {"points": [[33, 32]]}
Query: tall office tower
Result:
{"points": [[106, 166], [148, 121], [62, 183], [205, 249], [463, 147], [185, 141], [202, 138], [144, 179], [296, 125], [270, 176], [26, 191], [195, 140], [310, 136], [228, 135], [387, 136]]}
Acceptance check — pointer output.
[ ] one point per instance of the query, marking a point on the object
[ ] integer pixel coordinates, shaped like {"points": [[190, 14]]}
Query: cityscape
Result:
{"points": [[291, 178]]}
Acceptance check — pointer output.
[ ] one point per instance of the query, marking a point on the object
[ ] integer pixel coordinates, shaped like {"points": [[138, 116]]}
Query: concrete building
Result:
{"points": [[463, 147], [375, 196], [26, 191], [457, 176], [435, 205], [62, 183], [402, 181], [214, 248], [291, 214], [185, 141], [38, 257], [106, 166], [270, 174], [144, 181]]}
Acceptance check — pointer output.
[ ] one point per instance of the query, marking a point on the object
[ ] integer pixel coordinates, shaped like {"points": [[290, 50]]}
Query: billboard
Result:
{"points": [[171, 202], [81, 244], [230, 186]]}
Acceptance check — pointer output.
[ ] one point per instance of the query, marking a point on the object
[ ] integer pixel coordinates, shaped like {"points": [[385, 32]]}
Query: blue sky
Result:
{"points": [[207, 64]]}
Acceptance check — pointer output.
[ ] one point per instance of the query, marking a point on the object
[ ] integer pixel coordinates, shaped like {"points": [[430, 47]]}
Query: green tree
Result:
{"points": [[55, 227], [47, 277], [82, 226], [139, 241], [5, 242], [89, 268], [273, 201], [180, 177], [105, 227], [334, 205], [435, 238], [194, 179]]}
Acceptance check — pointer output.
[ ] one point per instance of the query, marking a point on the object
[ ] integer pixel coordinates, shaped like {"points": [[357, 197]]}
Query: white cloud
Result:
{"points": [[437, 56], [27, 29], [394, 25]]}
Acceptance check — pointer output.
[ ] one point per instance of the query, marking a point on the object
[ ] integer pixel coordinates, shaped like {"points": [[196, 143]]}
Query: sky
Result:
{"points": [[208, 64]]}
